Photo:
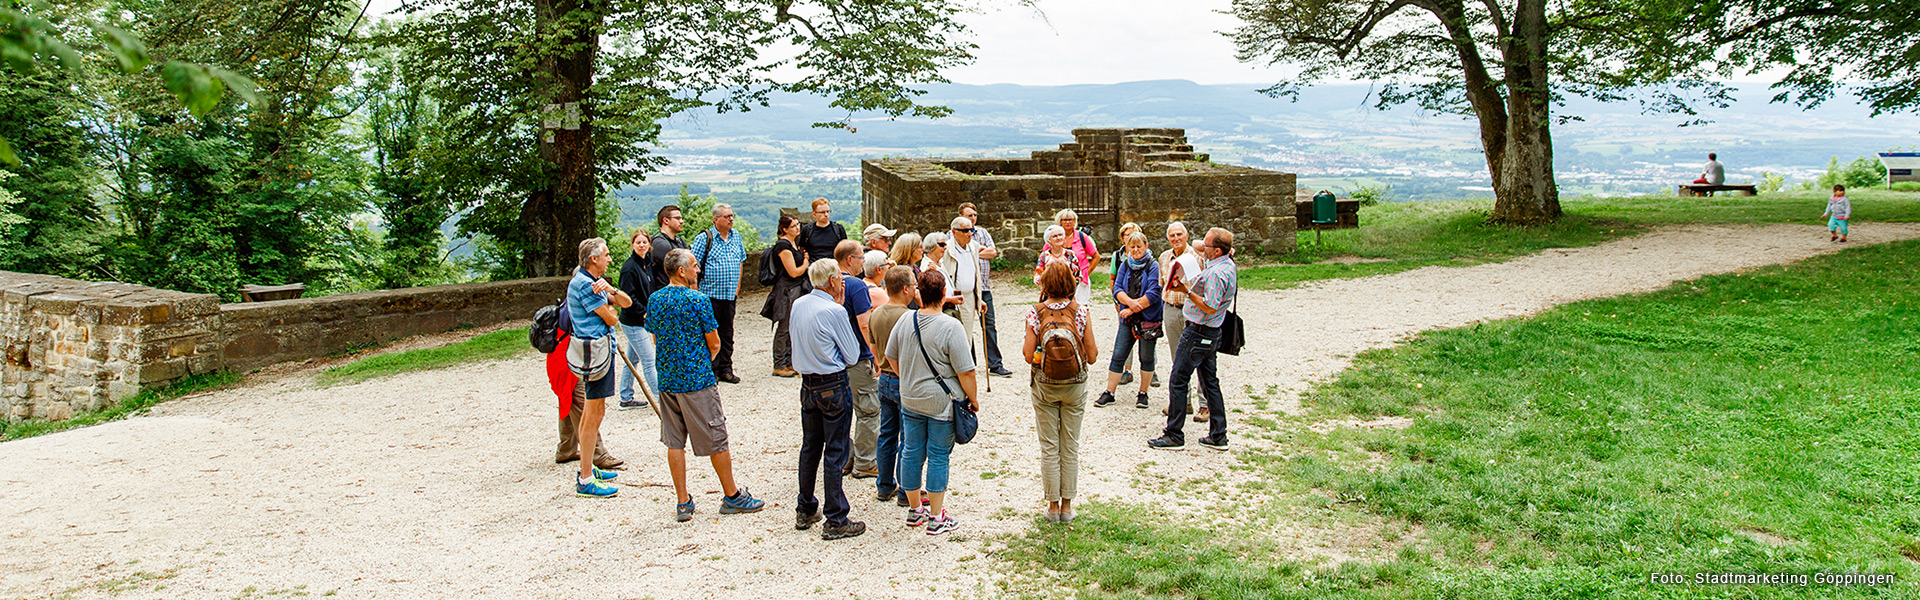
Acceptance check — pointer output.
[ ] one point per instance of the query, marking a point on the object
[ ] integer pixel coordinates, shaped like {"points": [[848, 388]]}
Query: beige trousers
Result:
{"points": [[1057, 411]]}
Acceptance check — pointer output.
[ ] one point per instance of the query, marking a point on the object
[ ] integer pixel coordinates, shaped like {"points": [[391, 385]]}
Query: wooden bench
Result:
{"points": [[1707, 189], [268, 293]]}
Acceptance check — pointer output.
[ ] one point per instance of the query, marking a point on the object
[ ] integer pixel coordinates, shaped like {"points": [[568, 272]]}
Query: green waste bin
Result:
{"points": [[1325, 209]]}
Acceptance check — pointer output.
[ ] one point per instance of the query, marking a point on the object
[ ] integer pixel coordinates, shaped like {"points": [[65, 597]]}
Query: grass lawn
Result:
{"points": [[492, 346], [1764, 422], [1409, 235]]}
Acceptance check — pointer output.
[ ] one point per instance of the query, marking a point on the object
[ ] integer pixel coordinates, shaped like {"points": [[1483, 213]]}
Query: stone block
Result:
{"points": [[167, 370]]}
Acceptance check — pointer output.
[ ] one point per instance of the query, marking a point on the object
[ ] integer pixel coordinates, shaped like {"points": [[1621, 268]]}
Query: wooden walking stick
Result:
{"points": [[639, 379]]}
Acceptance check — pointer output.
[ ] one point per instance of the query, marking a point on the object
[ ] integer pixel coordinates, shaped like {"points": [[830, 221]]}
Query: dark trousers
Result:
{"points": [[782, 346], [993, 339], [887, 453], [723, 312], [826, 418], [1196, 351]]}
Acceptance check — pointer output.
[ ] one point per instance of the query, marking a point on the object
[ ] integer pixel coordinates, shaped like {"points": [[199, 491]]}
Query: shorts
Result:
{"points": [[693, 417], [602, 388], [1836, 226]]}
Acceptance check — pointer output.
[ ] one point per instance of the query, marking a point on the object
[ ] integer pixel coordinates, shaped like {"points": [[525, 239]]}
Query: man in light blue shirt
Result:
{"points": [[720, 252], [824, 346], [1207, 302]]}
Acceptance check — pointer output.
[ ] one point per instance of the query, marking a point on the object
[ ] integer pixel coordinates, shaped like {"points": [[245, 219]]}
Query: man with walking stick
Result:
{"points": [[687, 338], [963, 263]]}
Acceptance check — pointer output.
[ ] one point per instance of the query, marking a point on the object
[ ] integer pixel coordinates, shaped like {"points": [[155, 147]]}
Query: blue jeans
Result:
{"points": [[640, 351], [1197, 352], [887, 455], [927, 441], [1123, 345], [826, 416]]}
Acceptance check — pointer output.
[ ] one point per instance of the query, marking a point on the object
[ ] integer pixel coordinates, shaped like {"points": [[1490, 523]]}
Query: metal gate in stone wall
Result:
{"points": [[1090, 196]]}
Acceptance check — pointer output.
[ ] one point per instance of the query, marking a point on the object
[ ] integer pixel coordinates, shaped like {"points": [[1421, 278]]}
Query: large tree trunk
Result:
{"points": [[1522, 161], [559, 215]]}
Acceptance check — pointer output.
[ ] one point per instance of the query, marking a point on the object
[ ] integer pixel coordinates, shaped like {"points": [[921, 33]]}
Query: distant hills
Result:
{"points": [[1331, 137]]}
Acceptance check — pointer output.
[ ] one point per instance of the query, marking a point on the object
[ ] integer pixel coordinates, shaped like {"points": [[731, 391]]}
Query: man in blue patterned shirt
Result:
{"points": [[720, 252], [686, 338], [1205, 311]]}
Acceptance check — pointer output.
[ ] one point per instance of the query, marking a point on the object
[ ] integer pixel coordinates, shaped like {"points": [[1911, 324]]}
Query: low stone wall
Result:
{"points": [[75, 345], [257, 334]]}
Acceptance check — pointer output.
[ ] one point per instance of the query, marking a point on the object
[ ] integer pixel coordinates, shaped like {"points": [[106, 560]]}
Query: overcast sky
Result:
{"points": [[1095, 41]]}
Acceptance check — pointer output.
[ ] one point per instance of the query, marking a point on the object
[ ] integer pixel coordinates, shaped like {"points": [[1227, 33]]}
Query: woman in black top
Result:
{"points": [[789, 284], [636, 279]]}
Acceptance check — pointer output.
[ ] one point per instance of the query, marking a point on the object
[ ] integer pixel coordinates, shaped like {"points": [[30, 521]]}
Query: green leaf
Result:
{"points": [[125, 48], [6, 153], [240, 84], [196, 88]]}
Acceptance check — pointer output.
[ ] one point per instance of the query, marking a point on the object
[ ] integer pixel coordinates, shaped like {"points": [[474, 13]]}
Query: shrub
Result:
{"points": [[1865, 171], [1771, 182]]}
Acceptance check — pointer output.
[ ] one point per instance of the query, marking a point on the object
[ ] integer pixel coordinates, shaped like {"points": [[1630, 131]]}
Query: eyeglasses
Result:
{"points": [[727, 217]]}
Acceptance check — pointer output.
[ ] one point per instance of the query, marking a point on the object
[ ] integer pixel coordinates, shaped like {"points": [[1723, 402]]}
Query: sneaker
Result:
{"points": [[1166, 442], [1067, 517], [941, 524], [1140, 400], [594, 489], [850, 529], [1104, 399], [916, 517], [741, 502], [1213, 443], [728, 377], [683, 511], [1156, 380], [1001, 372], [599, 475], [785, 372], [803, 521], [1126, 377], [632, 403], [1053, 517]]}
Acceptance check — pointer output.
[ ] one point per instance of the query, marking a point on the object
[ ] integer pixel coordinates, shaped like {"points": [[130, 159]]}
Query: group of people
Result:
{"points": [[888, 336]]}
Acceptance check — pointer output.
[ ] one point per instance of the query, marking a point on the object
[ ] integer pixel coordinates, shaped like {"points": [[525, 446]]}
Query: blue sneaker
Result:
{"points": [[683, 512], [594, 489], [599, 475], [742, 502]]}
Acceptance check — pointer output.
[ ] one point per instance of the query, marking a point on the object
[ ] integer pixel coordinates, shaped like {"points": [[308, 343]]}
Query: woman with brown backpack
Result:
{"points": [[1059, 346]]}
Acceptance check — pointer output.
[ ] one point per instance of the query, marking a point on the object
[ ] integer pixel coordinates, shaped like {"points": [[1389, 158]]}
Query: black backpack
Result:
{"points": [[547, 324], [770, 266]]}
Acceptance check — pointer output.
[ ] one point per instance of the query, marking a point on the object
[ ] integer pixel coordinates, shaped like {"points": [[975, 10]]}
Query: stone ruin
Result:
{"points": [[1148, 176]]}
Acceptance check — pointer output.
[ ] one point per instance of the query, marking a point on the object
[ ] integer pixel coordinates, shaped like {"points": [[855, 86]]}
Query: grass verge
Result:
{"points": [[134, 405], [492, 346], [1762, 422]]}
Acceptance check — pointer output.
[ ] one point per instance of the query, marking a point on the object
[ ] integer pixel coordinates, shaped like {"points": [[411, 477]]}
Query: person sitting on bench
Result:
{"points": [[1714, 173]]}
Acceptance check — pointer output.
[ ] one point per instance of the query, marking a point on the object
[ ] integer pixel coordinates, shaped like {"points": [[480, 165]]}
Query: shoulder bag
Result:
{"points": [[965, 423], [1233, 332]]}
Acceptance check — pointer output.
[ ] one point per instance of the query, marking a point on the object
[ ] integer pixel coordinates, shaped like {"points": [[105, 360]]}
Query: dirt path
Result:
{"points": [[441, 483]]}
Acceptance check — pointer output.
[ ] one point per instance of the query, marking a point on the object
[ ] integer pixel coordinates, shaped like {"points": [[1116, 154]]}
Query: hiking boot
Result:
{"points": [[850, 529], [1199, 416], [941, 524], [804, 521], [683, 511], [728, 377], [599, 475], [785, 372], [594, 489], [1167, 442], [916, 517], [741, 501], [632, 403], [1140, 400], [1104, 399], [1213, 443], [1126, 377], [864, 473]]}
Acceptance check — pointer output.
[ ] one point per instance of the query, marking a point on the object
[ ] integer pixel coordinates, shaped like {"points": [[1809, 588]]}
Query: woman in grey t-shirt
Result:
{"points": [[931, 349]]}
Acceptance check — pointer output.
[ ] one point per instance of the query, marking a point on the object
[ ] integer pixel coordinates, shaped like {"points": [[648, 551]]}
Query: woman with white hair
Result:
{"points": [[874, 272], [934, 249], [1086, 253], [1056, 251]]}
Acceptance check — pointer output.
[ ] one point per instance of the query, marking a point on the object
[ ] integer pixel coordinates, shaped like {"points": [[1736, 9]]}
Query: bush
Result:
{"points": [[1370, 195], [1865, 171], [1771, 182]]}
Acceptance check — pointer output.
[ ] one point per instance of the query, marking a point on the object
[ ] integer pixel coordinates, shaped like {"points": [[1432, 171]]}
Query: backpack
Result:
{"points": [[546, 324], [770, 266], [1059, 348]]}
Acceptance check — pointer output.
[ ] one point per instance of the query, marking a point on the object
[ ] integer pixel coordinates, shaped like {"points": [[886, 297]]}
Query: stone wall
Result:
{"points": [[1149, 177], [257, 334], [74, 345]]}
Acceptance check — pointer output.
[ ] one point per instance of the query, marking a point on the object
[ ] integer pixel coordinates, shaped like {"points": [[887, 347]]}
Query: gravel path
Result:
{"points": [[441, 483]]}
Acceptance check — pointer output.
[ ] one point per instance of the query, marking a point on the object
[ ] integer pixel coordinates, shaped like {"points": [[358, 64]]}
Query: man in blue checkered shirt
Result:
{"points": [[720, 252]]}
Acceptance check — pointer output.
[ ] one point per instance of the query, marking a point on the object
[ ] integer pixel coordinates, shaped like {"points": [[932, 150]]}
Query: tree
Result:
{"points": [[53, 182], [402, 127], [1510, 63], [557, 101]]}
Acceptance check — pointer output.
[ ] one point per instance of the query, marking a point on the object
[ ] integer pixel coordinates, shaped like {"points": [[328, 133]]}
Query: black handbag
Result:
{"points": [[965, 423], [1233, 333]]}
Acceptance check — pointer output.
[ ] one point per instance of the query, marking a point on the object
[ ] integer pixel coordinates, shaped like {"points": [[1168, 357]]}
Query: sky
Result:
{"points": [[1061, 42]]}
